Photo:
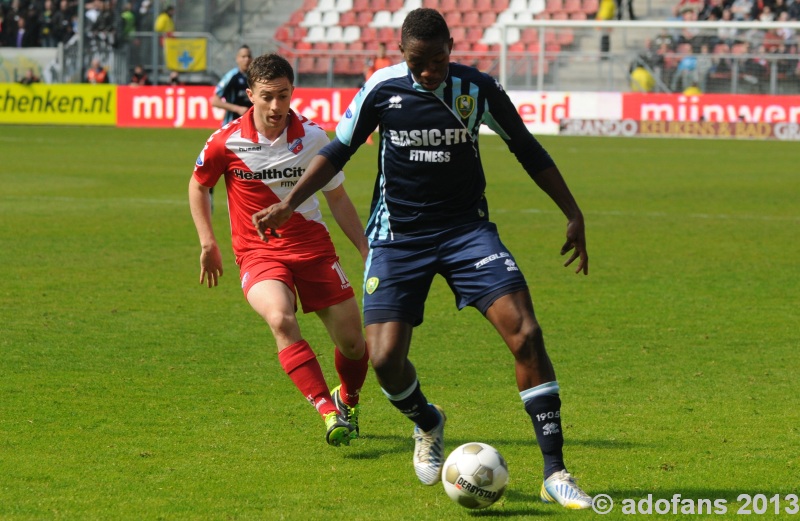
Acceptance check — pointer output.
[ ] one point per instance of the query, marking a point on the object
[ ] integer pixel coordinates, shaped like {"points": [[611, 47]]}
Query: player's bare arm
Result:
{"points": [[210, 256], [317, 175], [552, 183], [220, 103], [344, 212]]}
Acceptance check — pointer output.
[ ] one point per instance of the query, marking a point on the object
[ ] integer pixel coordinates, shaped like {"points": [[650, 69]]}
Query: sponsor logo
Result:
{"points": [[465, 106], [475, 490], [432, 137], [486, 260], [270, 173], [348, 113], [200, 161], [429, 156], [395, 102], [372, 285], [249, 149], [550, 428], [511, 265], [296, 146]]}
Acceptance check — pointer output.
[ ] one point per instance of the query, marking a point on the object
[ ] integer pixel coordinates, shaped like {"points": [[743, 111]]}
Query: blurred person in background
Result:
{"points": [[97, 73], [230, 94], [139, 77], [165, 22]]}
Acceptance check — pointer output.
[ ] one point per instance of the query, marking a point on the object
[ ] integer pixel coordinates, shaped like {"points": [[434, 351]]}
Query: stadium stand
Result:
{"points": [[311, 30]]}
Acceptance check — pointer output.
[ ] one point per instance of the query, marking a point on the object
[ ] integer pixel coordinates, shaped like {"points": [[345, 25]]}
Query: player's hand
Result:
{"points": [[210, 266], [576, 242], [268, 220]]}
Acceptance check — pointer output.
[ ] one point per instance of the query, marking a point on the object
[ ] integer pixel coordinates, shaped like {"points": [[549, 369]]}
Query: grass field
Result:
{"points": [[130, 392]]}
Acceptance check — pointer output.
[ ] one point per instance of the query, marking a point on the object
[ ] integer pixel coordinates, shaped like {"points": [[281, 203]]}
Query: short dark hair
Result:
{"points": [[269, 67], [424, 24]]}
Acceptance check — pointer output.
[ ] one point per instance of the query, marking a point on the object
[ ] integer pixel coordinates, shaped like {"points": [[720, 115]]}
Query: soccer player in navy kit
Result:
{"points": [[429, 216]]}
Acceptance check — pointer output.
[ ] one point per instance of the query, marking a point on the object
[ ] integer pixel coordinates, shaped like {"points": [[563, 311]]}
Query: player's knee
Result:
{"points": [[353, 347], [280, 322], [527, 342]]}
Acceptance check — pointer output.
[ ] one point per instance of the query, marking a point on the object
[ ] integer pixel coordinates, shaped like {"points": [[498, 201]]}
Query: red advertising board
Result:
{"points": [[728, 108], [190, 107]]}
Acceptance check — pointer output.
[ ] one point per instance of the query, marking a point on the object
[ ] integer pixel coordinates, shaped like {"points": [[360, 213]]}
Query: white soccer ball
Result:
{"points": [[475, 475]]}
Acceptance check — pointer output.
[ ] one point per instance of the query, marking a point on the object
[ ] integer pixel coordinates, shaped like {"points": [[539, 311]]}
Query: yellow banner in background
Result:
{"points": [[185, 54], [69, 104]]}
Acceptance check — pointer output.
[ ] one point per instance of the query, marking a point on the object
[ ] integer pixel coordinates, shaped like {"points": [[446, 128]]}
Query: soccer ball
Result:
{"points": [[475, 475]]}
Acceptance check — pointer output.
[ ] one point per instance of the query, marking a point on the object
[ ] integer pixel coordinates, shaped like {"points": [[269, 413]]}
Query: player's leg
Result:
{"points": [[351, 359], [482, 273], [513, 317], [274, 301], [389, 346], [397, 281]]}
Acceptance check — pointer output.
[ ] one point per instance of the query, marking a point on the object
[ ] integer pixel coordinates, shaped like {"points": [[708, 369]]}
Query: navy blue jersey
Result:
{"points": [[233, 89], [430, 176]]}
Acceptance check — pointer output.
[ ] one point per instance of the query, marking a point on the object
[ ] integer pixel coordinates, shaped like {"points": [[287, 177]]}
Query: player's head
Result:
{"points": [[426, 45], [243, 58], [270, 80]]}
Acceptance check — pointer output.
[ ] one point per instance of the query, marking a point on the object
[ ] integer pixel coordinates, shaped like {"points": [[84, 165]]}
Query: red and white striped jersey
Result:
{"points": [[259, 173]]}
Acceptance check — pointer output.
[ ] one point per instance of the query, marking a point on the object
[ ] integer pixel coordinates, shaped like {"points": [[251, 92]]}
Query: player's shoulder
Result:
{"points": [[227, 77], [390, 73], [473, 75], [224, 133]]}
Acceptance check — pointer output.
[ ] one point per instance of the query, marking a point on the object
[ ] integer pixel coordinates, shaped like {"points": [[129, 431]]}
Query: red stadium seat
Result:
{"points": [[282, 34], [343, 65], [590, 7], [453, 18], [348, 18], [487, 18], [471, 19], [554, 6]]}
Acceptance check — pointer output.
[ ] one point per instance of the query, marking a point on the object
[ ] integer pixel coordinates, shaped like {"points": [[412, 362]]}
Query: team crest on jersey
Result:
{"points": [[465, 105], [296, 146], [372, 285]]}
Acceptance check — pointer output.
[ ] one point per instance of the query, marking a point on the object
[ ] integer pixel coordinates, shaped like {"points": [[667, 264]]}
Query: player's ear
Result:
{"points": [[250, 95], [450, 44]]}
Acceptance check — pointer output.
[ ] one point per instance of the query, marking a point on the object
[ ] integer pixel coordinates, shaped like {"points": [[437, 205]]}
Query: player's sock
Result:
{"points": [[300, 363], [352, 374], [413, 404], [544, 407]]}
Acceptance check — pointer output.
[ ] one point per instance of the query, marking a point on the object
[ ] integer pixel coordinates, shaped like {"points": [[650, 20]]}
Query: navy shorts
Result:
{"points": [[476, 265]]}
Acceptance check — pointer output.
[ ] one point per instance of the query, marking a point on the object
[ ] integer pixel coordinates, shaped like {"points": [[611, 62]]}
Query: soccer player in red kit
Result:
{"points": [[262, 155]]}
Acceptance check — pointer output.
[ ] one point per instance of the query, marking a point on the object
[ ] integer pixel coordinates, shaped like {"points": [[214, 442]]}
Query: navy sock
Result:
{"points": [[543, 405], [413, 404]]}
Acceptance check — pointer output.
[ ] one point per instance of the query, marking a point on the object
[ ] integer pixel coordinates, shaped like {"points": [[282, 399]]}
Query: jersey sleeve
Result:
{"points": [[212, 161], [222, 86], [503, 118]]}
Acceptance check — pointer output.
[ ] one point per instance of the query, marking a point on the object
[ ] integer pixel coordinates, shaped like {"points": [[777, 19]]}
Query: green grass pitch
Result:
{"points": [[128, 391]]}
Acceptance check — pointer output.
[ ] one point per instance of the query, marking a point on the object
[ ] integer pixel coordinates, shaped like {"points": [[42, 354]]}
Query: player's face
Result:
{"points": [[271, 100], [243, 59], [428, 61]]}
